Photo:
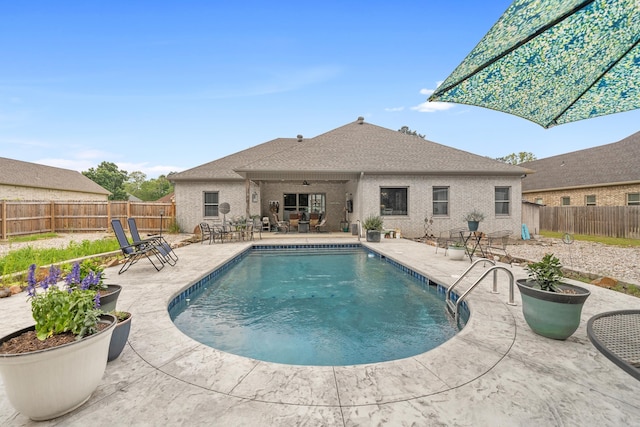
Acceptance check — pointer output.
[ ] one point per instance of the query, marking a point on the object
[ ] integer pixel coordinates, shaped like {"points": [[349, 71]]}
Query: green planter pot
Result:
{"points": [[473, 225], [119, 338], [552, 314], [109, 299]]}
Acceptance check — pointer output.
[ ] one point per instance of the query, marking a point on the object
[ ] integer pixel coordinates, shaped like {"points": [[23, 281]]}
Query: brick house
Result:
{"points": [[31, 181], [349, 173], [607, 175]]}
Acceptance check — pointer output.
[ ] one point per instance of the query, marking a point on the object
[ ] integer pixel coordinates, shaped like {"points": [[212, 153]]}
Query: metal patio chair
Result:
{"points": [[155, 239]]}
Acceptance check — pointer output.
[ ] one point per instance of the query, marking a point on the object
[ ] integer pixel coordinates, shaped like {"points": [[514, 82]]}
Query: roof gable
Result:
{"points": [[26, 174], [606, 164]]}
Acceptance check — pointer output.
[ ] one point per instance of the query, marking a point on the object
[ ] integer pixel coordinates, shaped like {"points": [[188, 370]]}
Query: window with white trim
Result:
{"points": [[590, 200], [440, 201], [633, 199], [210, 203], [503, 200]]}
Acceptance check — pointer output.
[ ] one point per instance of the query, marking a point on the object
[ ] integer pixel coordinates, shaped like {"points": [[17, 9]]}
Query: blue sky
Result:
{"points": [[166, 86]]}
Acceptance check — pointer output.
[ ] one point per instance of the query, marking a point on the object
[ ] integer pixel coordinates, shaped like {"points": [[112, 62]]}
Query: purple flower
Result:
{"points": [[96, 300], [31, 280], [73, 278], [51, 279]]}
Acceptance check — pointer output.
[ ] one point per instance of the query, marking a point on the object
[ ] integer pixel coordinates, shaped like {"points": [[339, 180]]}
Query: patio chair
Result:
{"points": [[314, 219], [280, 225], [445, 238], [209, 232], [294, 218], [158, 241], [254, 227], [322, 225], [134, 253]]}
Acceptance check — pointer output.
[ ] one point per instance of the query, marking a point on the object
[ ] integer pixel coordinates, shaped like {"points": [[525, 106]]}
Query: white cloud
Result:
{"points": [[431, 107], [392, 109]]}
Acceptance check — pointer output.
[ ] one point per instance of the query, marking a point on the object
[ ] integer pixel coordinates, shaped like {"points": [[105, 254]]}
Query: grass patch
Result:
{"points": [[613, 241], [21, 259]]}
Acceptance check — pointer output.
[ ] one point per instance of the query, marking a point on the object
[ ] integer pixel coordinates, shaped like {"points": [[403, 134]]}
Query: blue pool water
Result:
{"points": [[316, 307]]}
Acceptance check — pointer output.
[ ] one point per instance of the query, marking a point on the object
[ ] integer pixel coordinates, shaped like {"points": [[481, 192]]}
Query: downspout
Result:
{"points": [[247, 188]]}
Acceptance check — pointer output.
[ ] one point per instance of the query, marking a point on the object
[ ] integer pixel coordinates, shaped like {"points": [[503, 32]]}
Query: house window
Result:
{"points": [[503, 200], [440, 201], [210, 203], [304, 202], [393, 200], [539, 201], [565, 201], [590, 200], [633, 199]]}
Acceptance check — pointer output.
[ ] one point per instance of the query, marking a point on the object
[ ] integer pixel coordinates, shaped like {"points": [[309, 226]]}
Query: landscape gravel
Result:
{"points": [[620, 263]]}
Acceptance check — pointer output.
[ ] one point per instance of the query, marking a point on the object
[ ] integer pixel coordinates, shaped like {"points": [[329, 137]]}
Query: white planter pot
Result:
{"points": [[456, 253], [48, 383]]}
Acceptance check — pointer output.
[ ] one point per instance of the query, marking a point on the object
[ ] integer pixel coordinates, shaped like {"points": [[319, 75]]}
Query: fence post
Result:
{"points": [[108, 213], [3, 218], [53, 216]]}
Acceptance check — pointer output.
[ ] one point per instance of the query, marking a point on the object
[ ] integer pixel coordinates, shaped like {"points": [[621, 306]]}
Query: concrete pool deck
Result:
{"points": [[494, 372]]}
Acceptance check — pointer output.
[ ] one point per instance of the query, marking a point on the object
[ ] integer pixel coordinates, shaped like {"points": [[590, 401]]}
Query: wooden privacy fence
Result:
{"points": [[610, 221], [25, 217]]}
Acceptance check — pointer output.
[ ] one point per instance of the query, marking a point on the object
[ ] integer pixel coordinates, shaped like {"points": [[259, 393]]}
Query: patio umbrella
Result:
{"points": [[554, 62]]}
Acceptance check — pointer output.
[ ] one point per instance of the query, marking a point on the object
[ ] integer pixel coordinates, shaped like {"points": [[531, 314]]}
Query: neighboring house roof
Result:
{"points": [[171, 197], [610, 164], [350, 149], [25, 174]]}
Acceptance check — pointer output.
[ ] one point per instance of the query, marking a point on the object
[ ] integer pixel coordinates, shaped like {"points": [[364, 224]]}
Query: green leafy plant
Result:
{"points": [[57, 310], [547, 273], [373, 222], [121, 315], [474, 215], [456, 244]]}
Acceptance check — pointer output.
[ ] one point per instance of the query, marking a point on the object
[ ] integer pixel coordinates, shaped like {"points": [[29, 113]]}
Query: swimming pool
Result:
{"points": [[315, 306]]}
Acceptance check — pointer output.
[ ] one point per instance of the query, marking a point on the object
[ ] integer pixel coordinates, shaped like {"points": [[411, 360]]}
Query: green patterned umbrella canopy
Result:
{"points": [[554, 62]]}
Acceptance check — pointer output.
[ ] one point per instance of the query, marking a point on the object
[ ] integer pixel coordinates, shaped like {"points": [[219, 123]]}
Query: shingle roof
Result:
{"points": [[607, 164], [25, 174], [223, 169], [353, 148]]}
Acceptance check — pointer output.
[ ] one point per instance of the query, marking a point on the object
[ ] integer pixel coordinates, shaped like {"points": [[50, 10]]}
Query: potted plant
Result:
{"points": [[54, 366], [456, 250], [120, 334], [90, 274], [551, 308], [373, 225], [473, 219]]}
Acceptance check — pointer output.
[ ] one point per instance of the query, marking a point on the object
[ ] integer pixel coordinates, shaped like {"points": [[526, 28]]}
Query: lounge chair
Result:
{"points": [[134, 252], [157, 240]]}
